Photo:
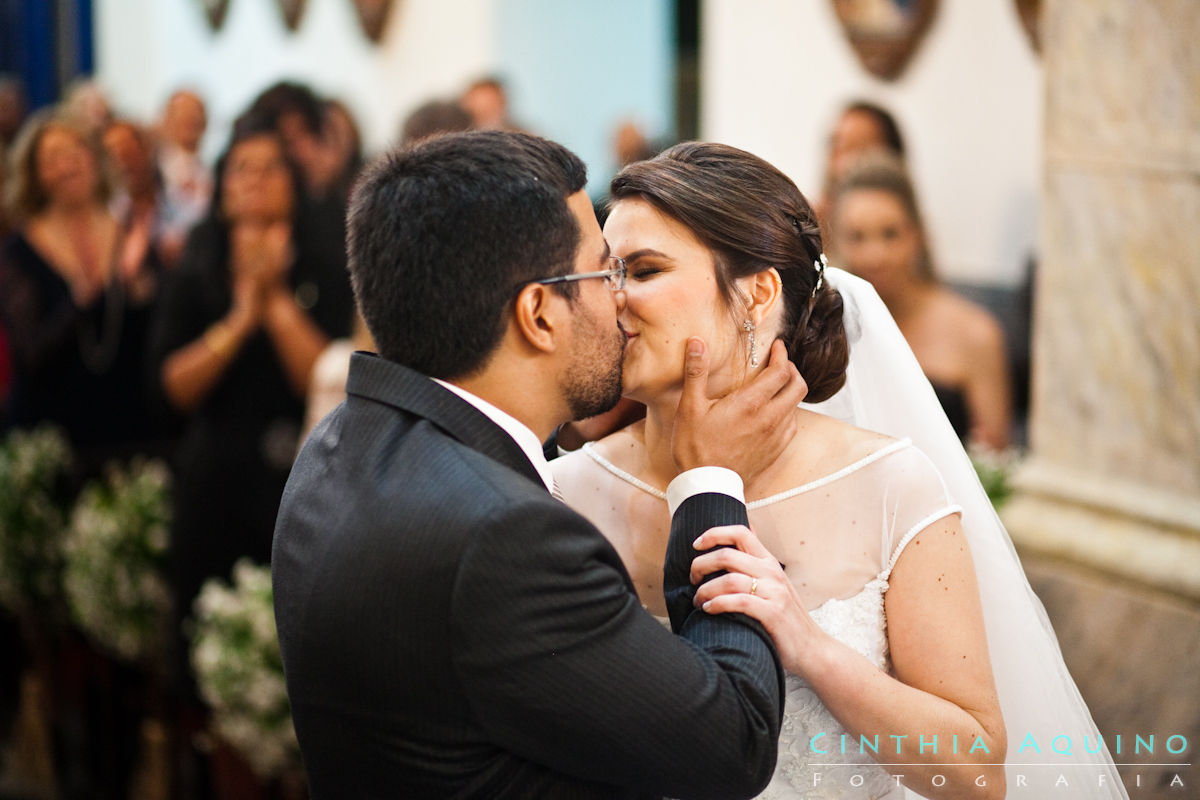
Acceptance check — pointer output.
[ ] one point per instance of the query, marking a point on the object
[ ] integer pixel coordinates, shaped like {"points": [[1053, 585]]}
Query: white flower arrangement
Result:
{"points": [[33, 469], [239, 669], [114, 555]]}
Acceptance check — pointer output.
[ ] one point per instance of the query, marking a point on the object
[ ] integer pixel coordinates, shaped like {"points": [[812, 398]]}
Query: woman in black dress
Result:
{"points": [[75, 305], [75, 313], [253, 302]]}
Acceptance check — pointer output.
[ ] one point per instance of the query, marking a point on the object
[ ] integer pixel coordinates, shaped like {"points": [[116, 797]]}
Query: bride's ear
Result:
{"points": [[764, 291]]}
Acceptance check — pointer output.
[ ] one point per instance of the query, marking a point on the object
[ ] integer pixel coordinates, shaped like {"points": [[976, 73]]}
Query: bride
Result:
{"points": [[917, 655]]}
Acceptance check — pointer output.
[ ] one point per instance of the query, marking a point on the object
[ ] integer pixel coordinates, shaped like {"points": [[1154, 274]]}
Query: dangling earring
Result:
{"points": [[749, 328]]}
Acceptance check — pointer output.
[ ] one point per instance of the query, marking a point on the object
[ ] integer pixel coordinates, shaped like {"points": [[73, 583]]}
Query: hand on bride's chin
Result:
{"points": [[747, 429]]}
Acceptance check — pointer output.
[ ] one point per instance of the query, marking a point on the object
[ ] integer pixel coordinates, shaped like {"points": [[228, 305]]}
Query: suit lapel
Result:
{"points": [[393, 384]]}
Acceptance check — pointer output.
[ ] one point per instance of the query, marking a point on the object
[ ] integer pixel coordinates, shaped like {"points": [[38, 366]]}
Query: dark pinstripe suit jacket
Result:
{"points": [[451, 630]]}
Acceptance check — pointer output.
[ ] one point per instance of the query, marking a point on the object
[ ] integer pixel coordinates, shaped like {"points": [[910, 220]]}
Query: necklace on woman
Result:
{"points": [[98, 349]]}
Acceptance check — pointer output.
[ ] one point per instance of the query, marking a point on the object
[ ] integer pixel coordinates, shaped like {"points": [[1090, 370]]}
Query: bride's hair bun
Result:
{"points": [[819, 347]]}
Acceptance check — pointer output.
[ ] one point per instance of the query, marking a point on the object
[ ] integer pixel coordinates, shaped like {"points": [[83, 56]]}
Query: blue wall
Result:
{"points": [[46, 45], [575, 68]]}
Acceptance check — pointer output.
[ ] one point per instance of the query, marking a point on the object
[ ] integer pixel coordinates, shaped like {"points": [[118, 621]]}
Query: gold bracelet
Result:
{"points": [[219, 338]]}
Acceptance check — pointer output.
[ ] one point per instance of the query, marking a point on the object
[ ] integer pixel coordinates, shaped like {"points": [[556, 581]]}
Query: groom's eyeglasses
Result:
{"points": [[614, 276]]}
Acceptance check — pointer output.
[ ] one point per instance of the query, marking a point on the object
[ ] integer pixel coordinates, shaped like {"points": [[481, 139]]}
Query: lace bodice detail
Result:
{"points": [[840, 536], [859, 623]]}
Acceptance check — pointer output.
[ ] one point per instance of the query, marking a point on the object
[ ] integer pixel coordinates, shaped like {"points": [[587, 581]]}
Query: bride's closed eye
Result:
{"points": [[643, 273]]}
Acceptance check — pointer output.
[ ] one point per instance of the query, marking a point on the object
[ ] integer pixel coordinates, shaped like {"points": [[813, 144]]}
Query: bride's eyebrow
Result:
{"points": [[647, 252]]}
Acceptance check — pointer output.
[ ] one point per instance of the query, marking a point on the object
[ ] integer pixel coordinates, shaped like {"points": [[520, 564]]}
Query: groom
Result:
{"points": [[448, 627]]}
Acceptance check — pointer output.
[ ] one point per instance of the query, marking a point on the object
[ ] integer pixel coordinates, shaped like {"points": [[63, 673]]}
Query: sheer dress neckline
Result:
{"points": [[816, 483]]}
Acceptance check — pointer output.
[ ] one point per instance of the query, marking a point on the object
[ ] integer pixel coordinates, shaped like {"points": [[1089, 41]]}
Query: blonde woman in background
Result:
{"points": [[74, 311]]}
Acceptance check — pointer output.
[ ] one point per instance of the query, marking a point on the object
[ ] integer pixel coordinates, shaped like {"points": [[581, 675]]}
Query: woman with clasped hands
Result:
{"points": [[257, 200], [253, 302]]}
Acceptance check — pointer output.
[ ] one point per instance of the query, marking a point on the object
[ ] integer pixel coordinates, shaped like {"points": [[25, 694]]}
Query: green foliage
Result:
{"points": [[33, 471]]}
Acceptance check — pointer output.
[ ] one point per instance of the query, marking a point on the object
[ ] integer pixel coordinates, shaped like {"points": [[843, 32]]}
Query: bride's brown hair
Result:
{"points": [[752, 217]]}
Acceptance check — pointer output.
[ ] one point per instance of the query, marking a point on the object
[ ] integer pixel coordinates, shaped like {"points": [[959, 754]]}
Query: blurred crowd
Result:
{"points": [[152, 303]]}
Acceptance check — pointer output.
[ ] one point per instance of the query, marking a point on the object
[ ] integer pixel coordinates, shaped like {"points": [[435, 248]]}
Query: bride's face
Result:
{"points": [[671, 294]]}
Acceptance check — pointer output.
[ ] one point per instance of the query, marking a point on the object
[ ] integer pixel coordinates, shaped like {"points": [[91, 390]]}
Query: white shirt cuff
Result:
{"points": [[702, 480]]}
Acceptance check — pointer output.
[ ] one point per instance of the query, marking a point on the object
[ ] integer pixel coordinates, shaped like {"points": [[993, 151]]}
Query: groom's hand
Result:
{"points": [[746, 430]]}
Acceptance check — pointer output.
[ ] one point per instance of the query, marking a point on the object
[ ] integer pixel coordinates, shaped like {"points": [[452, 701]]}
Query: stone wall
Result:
{"points": [[1115, 427], [1107, 515]]}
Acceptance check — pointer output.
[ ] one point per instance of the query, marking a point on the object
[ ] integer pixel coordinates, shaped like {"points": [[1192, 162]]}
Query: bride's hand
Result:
{"points": [[754, 584]]}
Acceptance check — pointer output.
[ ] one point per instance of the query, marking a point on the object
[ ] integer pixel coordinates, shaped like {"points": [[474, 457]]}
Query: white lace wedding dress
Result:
{"points": [[839, 537]]}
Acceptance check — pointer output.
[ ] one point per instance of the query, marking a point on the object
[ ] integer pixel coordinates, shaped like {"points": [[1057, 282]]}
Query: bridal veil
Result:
{"points": [[1054, 748]]}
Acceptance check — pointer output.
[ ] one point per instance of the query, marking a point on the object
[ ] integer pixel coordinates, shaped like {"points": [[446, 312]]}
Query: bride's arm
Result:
{"points": [[943, 681]]}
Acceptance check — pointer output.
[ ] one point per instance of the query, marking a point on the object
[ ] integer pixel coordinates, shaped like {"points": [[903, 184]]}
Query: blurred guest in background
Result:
{"points": [[257, 296], [186, 178], [299, 117], [862, 128], [12, 114], [88, 103], [434, 117], [75, 312], [141, 204], [878, 235], [342, 149], [486, 100], [629, 144], [12, 109]]}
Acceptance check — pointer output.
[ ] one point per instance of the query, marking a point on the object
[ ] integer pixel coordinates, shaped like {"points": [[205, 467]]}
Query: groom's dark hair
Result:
{"points": [[441, 236]]}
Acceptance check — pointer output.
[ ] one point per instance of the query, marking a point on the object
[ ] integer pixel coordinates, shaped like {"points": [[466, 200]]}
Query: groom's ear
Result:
{"points": [[764, 291], [537, 320]]}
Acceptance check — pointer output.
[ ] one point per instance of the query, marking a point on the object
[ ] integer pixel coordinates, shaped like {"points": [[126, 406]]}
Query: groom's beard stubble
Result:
{"points": [[592, 384]]}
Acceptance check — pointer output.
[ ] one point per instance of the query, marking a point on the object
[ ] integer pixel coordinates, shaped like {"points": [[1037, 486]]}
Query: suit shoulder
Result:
{"points": [[463, 468], [437, 470]]}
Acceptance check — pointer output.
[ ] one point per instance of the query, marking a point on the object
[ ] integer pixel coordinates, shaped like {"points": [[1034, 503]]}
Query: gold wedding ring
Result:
{"points": [[753, 585]]}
